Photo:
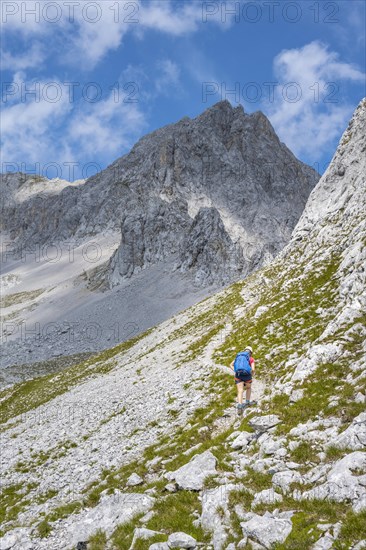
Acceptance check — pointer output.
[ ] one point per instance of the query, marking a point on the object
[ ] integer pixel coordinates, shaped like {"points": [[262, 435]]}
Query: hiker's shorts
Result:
{"points": [[243, 376]]}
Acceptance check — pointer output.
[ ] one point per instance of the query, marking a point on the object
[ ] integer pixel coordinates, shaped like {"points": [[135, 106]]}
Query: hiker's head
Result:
{"points": [[249, 348]]}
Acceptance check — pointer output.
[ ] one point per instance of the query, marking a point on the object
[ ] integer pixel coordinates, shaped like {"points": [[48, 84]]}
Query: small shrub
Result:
{"points": [[304, 453], [97, 541], [44, 529]]}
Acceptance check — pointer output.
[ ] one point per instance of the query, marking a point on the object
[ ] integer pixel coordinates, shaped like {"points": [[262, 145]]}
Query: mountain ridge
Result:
{"points": [[218, 158], [202, 202], [289, 474]]}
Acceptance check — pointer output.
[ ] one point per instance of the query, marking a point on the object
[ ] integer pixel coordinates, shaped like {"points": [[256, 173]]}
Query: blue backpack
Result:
{"points": [[242, 362]]}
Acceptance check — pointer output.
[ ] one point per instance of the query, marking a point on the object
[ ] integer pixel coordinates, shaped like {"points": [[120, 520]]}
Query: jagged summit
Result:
{"points": [[223, 159], [194, 206], [341, 192]]}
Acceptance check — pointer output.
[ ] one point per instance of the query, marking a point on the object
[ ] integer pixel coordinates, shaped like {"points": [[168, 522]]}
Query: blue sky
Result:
{"points": [[82, 81]]}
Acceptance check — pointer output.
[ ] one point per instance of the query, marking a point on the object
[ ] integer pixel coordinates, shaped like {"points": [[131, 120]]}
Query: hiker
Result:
{"points": [[243, 367]]}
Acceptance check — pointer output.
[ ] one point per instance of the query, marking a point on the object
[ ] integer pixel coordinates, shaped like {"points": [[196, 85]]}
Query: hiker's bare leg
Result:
{"points": [[248, 388], [240, 388]]}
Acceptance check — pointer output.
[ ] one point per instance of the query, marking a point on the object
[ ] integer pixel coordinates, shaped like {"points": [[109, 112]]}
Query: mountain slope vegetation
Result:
{"points": [[145, 437]]}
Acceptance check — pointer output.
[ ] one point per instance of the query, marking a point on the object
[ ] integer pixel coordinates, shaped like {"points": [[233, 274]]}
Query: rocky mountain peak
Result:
{"points": [[223, 159], [340, 193]]}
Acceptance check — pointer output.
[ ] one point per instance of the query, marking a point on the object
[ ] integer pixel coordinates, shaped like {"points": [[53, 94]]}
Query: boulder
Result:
{"points": [[181, 540], [317, 355], [296, 395], [354, 437], [191, 476], [143, 534], [269, 445], [264, 423], [242, 440], [346, 481], [112, 510], [134, 480], [324, 543], [211, 520], [17, 538], [284, 479], [260, 311], [268, 529]]}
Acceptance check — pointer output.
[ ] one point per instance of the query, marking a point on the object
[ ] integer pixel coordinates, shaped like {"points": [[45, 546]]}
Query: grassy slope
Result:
{"points": [[293, 296]]}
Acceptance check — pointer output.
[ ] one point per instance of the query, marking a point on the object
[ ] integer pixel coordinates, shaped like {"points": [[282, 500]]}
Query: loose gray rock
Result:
{"points": [[354, 437], [111, 511], [284, 479], [346, 481], [191, 476], [267, 529], [181, 540], [267, 496], [242, 440], [134, 480], [211, 520], [270, 445], [18, 538], [324, 543], [263, 423]]}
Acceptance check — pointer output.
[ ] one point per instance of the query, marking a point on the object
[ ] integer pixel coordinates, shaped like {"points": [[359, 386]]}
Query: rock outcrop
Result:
{"points": [[218, 195]]}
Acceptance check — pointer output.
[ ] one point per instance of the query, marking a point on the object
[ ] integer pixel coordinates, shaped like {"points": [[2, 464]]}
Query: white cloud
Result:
{"points": [[312, 63], [314, 76], [84, 32], [107, 128], [169, 77], [160, 15], [25, 125], [36, 130], [79, 33], [33, 57], [91, 41]]}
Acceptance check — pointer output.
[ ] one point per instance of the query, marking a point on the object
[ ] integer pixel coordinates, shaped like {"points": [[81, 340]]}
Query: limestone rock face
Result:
{"points": [[218, 194], [333, 222], [345, 482]]}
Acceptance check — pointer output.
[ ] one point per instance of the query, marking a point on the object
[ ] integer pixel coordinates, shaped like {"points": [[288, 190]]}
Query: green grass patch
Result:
{"points": [[97, 541], [123, 535], [44, 529], [257, 481], [292, 320], [174, 513], [353, 530], [304, 533], [334, 453], [305, 452], [63, 511], [14, 499]]}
